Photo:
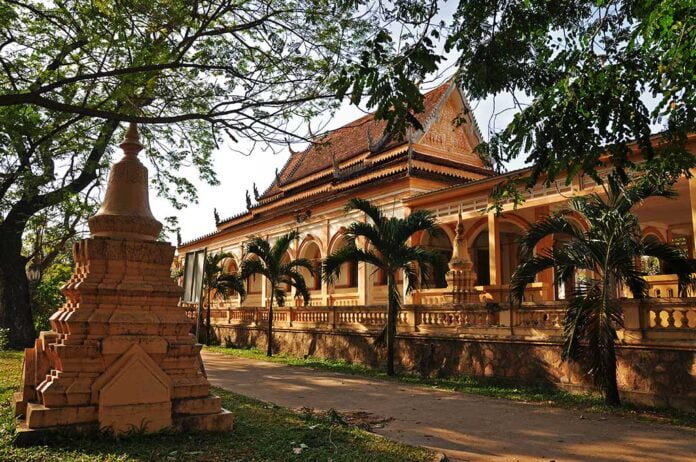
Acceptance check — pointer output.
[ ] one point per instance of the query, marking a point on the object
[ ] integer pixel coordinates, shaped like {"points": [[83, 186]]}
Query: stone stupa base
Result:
{"points": [[222, 421], [120, 357]]}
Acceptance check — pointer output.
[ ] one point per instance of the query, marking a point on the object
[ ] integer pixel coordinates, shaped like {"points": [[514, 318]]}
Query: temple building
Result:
{"points": [[459, 324], [436, 169]]}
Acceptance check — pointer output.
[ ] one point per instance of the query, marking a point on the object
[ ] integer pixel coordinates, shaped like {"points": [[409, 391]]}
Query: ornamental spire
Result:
{"points": [[125, 211], [460, 252]]}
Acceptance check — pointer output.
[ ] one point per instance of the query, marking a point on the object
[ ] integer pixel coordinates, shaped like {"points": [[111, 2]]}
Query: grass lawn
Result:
{"points": [[478, 386], [262, 432]]}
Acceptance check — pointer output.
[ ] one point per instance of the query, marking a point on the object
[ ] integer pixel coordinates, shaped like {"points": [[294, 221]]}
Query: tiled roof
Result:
{"points": [[347, 142]]}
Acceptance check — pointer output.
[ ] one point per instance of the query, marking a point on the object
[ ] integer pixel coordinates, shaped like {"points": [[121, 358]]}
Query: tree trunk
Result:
{"points": [[611, 394], [392, 312], [15, 299], [269, 333], [611, 391]]}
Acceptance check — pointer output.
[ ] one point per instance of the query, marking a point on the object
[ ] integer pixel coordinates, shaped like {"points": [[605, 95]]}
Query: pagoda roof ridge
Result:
{"points": [[348, 141]]}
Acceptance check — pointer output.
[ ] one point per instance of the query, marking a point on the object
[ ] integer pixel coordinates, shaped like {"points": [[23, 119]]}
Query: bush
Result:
{"points": [[47, 297]]}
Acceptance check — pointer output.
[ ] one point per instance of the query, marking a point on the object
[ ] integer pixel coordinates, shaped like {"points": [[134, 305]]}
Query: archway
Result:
{"points": [[311, 251], [348, 276], [229, 266], [440, 242], [509, 234], [254, 283], [480, 258]]}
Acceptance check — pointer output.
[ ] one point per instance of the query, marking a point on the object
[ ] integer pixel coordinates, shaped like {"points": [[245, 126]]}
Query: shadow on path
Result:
{"points": [[465, 427]]}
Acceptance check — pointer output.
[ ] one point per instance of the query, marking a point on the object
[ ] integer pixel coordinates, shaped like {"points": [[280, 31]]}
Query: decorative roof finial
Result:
{"points": [[248, 200], [216, 216], [256, 193]]}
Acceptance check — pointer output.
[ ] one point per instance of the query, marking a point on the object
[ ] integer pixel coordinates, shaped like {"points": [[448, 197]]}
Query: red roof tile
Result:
{"points": [[345, 143]]}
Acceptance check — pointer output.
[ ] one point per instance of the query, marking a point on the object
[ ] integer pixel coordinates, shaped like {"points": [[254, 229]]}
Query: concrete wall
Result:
{"points": [[653, 375]]}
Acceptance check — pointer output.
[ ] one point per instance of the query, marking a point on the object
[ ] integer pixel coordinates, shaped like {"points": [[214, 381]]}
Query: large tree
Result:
{"points": [[585, 77], [608, 254], [200, 73], [388, 250]]}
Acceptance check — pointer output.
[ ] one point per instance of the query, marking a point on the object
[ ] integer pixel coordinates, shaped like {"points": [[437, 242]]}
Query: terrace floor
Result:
{"points": [[464, 427]]}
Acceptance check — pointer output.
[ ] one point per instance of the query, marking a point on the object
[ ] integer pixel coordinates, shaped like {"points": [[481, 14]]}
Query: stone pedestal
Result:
{"points": [[120, 356]]}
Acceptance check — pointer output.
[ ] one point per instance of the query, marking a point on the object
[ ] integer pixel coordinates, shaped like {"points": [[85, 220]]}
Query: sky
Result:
{"points": [[237, 173]]}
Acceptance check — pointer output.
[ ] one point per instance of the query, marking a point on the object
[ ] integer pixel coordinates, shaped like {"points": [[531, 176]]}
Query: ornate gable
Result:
{"points": [[443, 139]]}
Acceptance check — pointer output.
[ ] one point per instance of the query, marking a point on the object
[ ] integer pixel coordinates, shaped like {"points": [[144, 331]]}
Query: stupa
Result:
{"points": [[461, 275], [120, 355]]}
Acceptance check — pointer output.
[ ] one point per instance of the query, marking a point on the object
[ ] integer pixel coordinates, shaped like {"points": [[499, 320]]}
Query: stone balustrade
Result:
{"points": [[545, 316], [647, 320]]}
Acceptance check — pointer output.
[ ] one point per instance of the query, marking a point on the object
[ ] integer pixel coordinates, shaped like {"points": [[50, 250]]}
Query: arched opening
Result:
{"points": [[440, 242], [229, 266], [564, 289], [480, 258], [348, 277], [653, 266], [510, 235], [254, 282], [311, 251], [284, 261]]}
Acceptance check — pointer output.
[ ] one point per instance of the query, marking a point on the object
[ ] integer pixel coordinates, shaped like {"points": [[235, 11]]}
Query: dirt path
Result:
{"points": [[465, 427]]}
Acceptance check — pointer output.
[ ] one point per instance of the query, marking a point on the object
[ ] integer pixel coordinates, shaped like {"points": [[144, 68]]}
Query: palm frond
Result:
{"points": [[232, 282], [279, 295], [370, 232], [305, 263], [672, 257], [296, 280], [431, 264], [367, 208], [526, 273], [260, 247], [331, 266], [253, 266], [547, 226], [420, 220], [642, 188], [282, 244], [411, 277]]}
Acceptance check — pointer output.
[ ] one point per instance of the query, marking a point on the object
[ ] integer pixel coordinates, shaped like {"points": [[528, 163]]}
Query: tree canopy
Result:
{"points": [[196, 73], [243, 66], [586, 77]]}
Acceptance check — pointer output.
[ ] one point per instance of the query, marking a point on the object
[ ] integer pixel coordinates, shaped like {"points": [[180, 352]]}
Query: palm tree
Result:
{"points": [[268, 262], [216, 279], [609, 253], [390, 253]]}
